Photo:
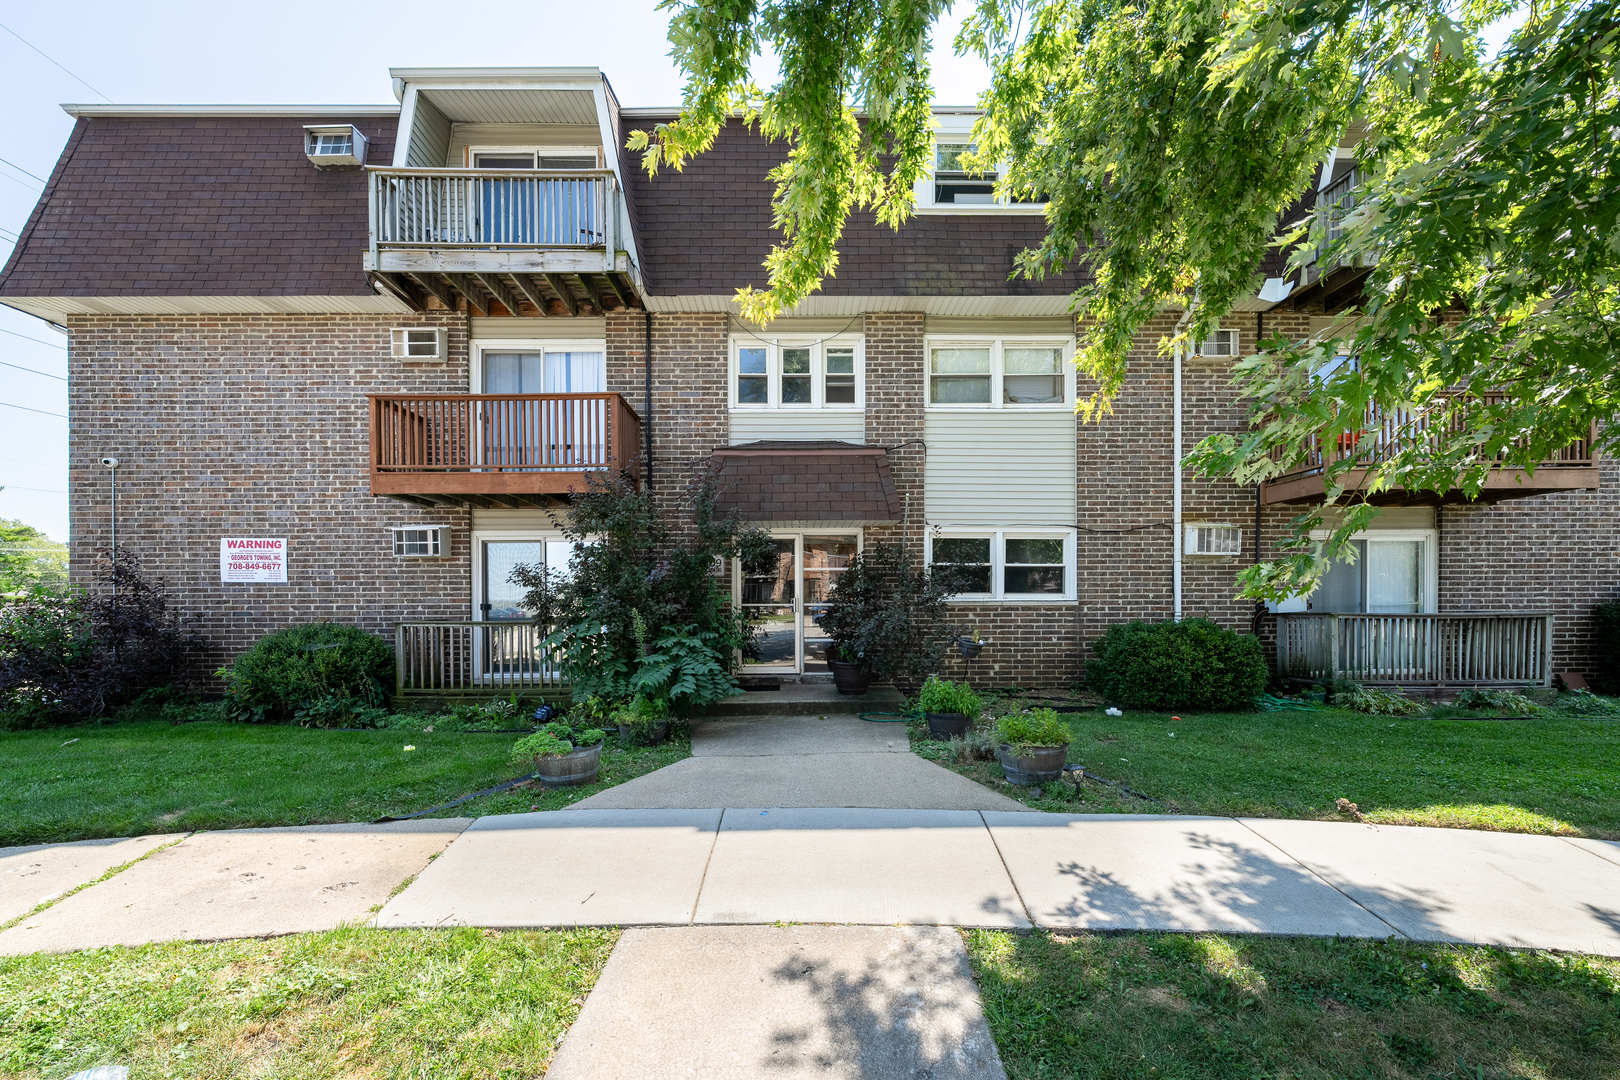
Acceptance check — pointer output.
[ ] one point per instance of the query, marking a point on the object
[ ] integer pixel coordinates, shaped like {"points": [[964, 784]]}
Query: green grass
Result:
{"points": [[353, 1002], [1557, 776], [153, 777], [1211, 1006]]}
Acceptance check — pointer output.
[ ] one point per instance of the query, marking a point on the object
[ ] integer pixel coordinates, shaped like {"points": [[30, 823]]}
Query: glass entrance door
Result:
{"points": [[784, 601]]}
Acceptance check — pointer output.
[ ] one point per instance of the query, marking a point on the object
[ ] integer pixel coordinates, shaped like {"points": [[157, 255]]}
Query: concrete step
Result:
{"points": [[805, 699]]}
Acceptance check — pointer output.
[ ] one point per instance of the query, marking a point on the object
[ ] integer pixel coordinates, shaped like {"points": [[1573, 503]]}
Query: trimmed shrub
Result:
{"points": [[1192, 664], [289, 671]]}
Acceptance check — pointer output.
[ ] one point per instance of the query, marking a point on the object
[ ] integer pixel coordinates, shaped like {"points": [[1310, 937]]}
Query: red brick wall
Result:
{"points": [[256, 425]]}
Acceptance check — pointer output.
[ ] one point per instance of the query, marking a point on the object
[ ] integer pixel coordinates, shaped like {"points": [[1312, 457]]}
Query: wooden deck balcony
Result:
{"points": [[1386, 434], [492, 450], [519, 242], [1462, 649]]}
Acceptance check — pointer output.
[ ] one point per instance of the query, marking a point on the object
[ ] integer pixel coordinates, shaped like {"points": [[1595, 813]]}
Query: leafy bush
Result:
{"points": [[642, 713], [1374, 701], [887, 616], [291, 670], [67, 653], [1584, 703], [1510, 700], [633, 569], [942, 696], [1606, 647], [1024, 731], [1192, 664]]}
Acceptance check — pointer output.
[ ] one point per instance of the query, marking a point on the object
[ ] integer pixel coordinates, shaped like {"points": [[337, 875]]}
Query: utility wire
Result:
{"points": [[40, 341], [22, 170], [42, 52], [25, 408], [22, 183], [25, 461], [30, 370], [19, 487]]}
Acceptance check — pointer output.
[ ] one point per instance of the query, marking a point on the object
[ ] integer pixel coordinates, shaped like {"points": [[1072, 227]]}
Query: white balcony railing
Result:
{"points": [[485, 208]]}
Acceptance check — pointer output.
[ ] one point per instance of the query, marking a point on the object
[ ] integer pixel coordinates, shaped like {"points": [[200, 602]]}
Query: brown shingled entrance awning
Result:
{"points": [[808, 484]]}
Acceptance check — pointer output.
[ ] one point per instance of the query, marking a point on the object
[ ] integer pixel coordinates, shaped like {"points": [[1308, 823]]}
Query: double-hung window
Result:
{"points": [[955, 184], [1007, 564], [785, 373], [999, 373]]}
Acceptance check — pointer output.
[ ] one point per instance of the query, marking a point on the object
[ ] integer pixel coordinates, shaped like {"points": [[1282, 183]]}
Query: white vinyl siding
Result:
{"points": [[497, 329], [430, 136], [780, 424], [996, 467]]}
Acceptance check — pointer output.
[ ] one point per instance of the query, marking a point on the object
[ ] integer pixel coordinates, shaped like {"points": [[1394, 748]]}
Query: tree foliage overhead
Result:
{"points": [[1170, 139]]}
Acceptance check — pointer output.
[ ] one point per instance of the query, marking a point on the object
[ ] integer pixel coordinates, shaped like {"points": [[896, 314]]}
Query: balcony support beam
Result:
{"points": [[618, 290], [435, 289], [532, 293], [474, 295], [559, 285], [591, 290], [497, 288]]}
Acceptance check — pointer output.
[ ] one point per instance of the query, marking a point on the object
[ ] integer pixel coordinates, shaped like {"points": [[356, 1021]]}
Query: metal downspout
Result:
{"points": [[1175, 507], [646, 419]]}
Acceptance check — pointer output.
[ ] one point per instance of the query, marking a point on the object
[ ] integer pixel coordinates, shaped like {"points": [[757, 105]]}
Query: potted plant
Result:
{"points": [[643, 722], [950, 707], [887, 619], [1034, 746], [562, 756], [971, 645]]}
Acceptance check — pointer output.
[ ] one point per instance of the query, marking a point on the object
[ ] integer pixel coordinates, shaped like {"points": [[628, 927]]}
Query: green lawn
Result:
{"points": [[154, 776], [1543, 776], [348, 1003], [1208, 1006]]}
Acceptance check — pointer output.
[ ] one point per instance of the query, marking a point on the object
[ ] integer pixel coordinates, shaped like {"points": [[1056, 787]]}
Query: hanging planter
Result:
{"points": [[969, 647]]}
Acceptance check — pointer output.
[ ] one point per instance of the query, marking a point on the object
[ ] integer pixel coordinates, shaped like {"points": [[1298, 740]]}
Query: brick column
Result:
{"points": [[894, 414]]}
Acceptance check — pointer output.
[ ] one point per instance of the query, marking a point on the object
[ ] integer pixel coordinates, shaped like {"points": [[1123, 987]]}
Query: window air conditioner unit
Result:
{"points": [[1219, 343], [419, 343], [334, 144], [419, 542], [1214, 540]]}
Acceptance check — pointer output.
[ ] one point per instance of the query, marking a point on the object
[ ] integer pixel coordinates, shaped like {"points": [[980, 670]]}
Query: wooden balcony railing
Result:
{"points": [[1463, 649], [497, 449], [1387, 433], [448, 659]]}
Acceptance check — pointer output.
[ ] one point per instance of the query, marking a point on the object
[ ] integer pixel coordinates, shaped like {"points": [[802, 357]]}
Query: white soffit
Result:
{"points": [[468, 105], [966, 306], [56, 309]]}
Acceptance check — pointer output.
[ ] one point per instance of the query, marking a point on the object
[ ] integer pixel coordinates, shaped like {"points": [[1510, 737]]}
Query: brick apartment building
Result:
{"points": [[394, 337]]}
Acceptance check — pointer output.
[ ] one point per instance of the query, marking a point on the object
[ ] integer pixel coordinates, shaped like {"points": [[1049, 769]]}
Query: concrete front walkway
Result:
{"points": [[800, 761]]}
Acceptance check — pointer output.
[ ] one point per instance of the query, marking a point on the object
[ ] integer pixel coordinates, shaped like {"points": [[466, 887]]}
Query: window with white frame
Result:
{"points": [[1219, 343], [784, 373], [954, 184], [994, 373], [570, 158], [1007, 564]]}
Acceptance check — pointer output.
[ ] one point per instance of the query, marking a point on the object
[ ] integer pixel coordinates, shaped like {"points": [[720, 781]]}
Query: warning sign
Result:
{"points": [[253, 559]]}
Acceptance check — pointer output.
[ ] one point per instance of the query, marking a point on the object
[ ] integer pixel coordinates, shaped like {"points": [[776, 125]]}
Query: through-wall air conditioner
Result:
{"points": [[423, 344], [1219, 343], [420, 541], [1214, 540], [334, 144]]}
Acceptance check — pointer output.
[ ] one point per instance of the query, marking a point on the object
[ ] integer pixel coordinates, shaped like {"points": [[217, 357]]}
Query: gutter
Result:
{"points": [[1175, 498]]}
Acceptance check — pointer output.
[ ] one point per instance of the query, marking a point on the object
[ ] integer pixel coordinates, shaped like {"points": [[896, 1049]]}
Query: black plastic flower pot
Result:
{"points": [[848, 678], [1040, 765], [948, 725], [970, 648]]}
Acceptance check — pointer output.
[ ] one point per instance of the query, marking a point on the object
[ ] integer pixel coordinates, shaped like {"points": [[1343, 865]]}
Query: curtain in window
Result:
{"points": [[567, 431], [1393, 576]]}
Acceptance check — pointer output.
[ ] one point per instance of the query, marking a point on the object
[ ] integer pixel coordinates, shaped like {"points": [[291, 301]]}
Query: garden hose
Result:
{"points": [[514, 782], [889, 717]]}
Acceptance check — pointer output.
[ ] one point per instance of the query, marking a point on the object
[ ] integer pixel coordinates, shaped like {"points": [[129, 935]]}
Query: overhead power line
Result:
{"points": [[30, 370], [25, 461], [39, 341], [42, 52], [25, 408], [22, 170], [19, 487]]}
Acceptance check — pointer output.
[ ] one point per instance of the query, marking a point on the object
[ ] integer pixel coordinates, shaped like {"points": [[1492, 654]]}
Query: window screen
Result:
{"points": [[753, 375], [1032, 375], [954, 183], [508, 160], [796, 376], [549, 372], [960, 376], [840, 384], [969, 556], [1033, 566]]}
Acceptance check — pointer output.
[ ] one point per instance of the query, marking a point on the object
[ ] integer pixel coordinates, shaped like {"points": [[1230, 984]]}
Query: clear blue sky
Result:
{"points": [[298, 51]]}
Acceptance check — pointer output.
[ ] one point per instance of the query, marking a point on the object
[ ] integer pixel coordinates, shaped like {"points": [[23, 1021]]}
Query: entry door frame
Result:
{"points": [[797, 535]]}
